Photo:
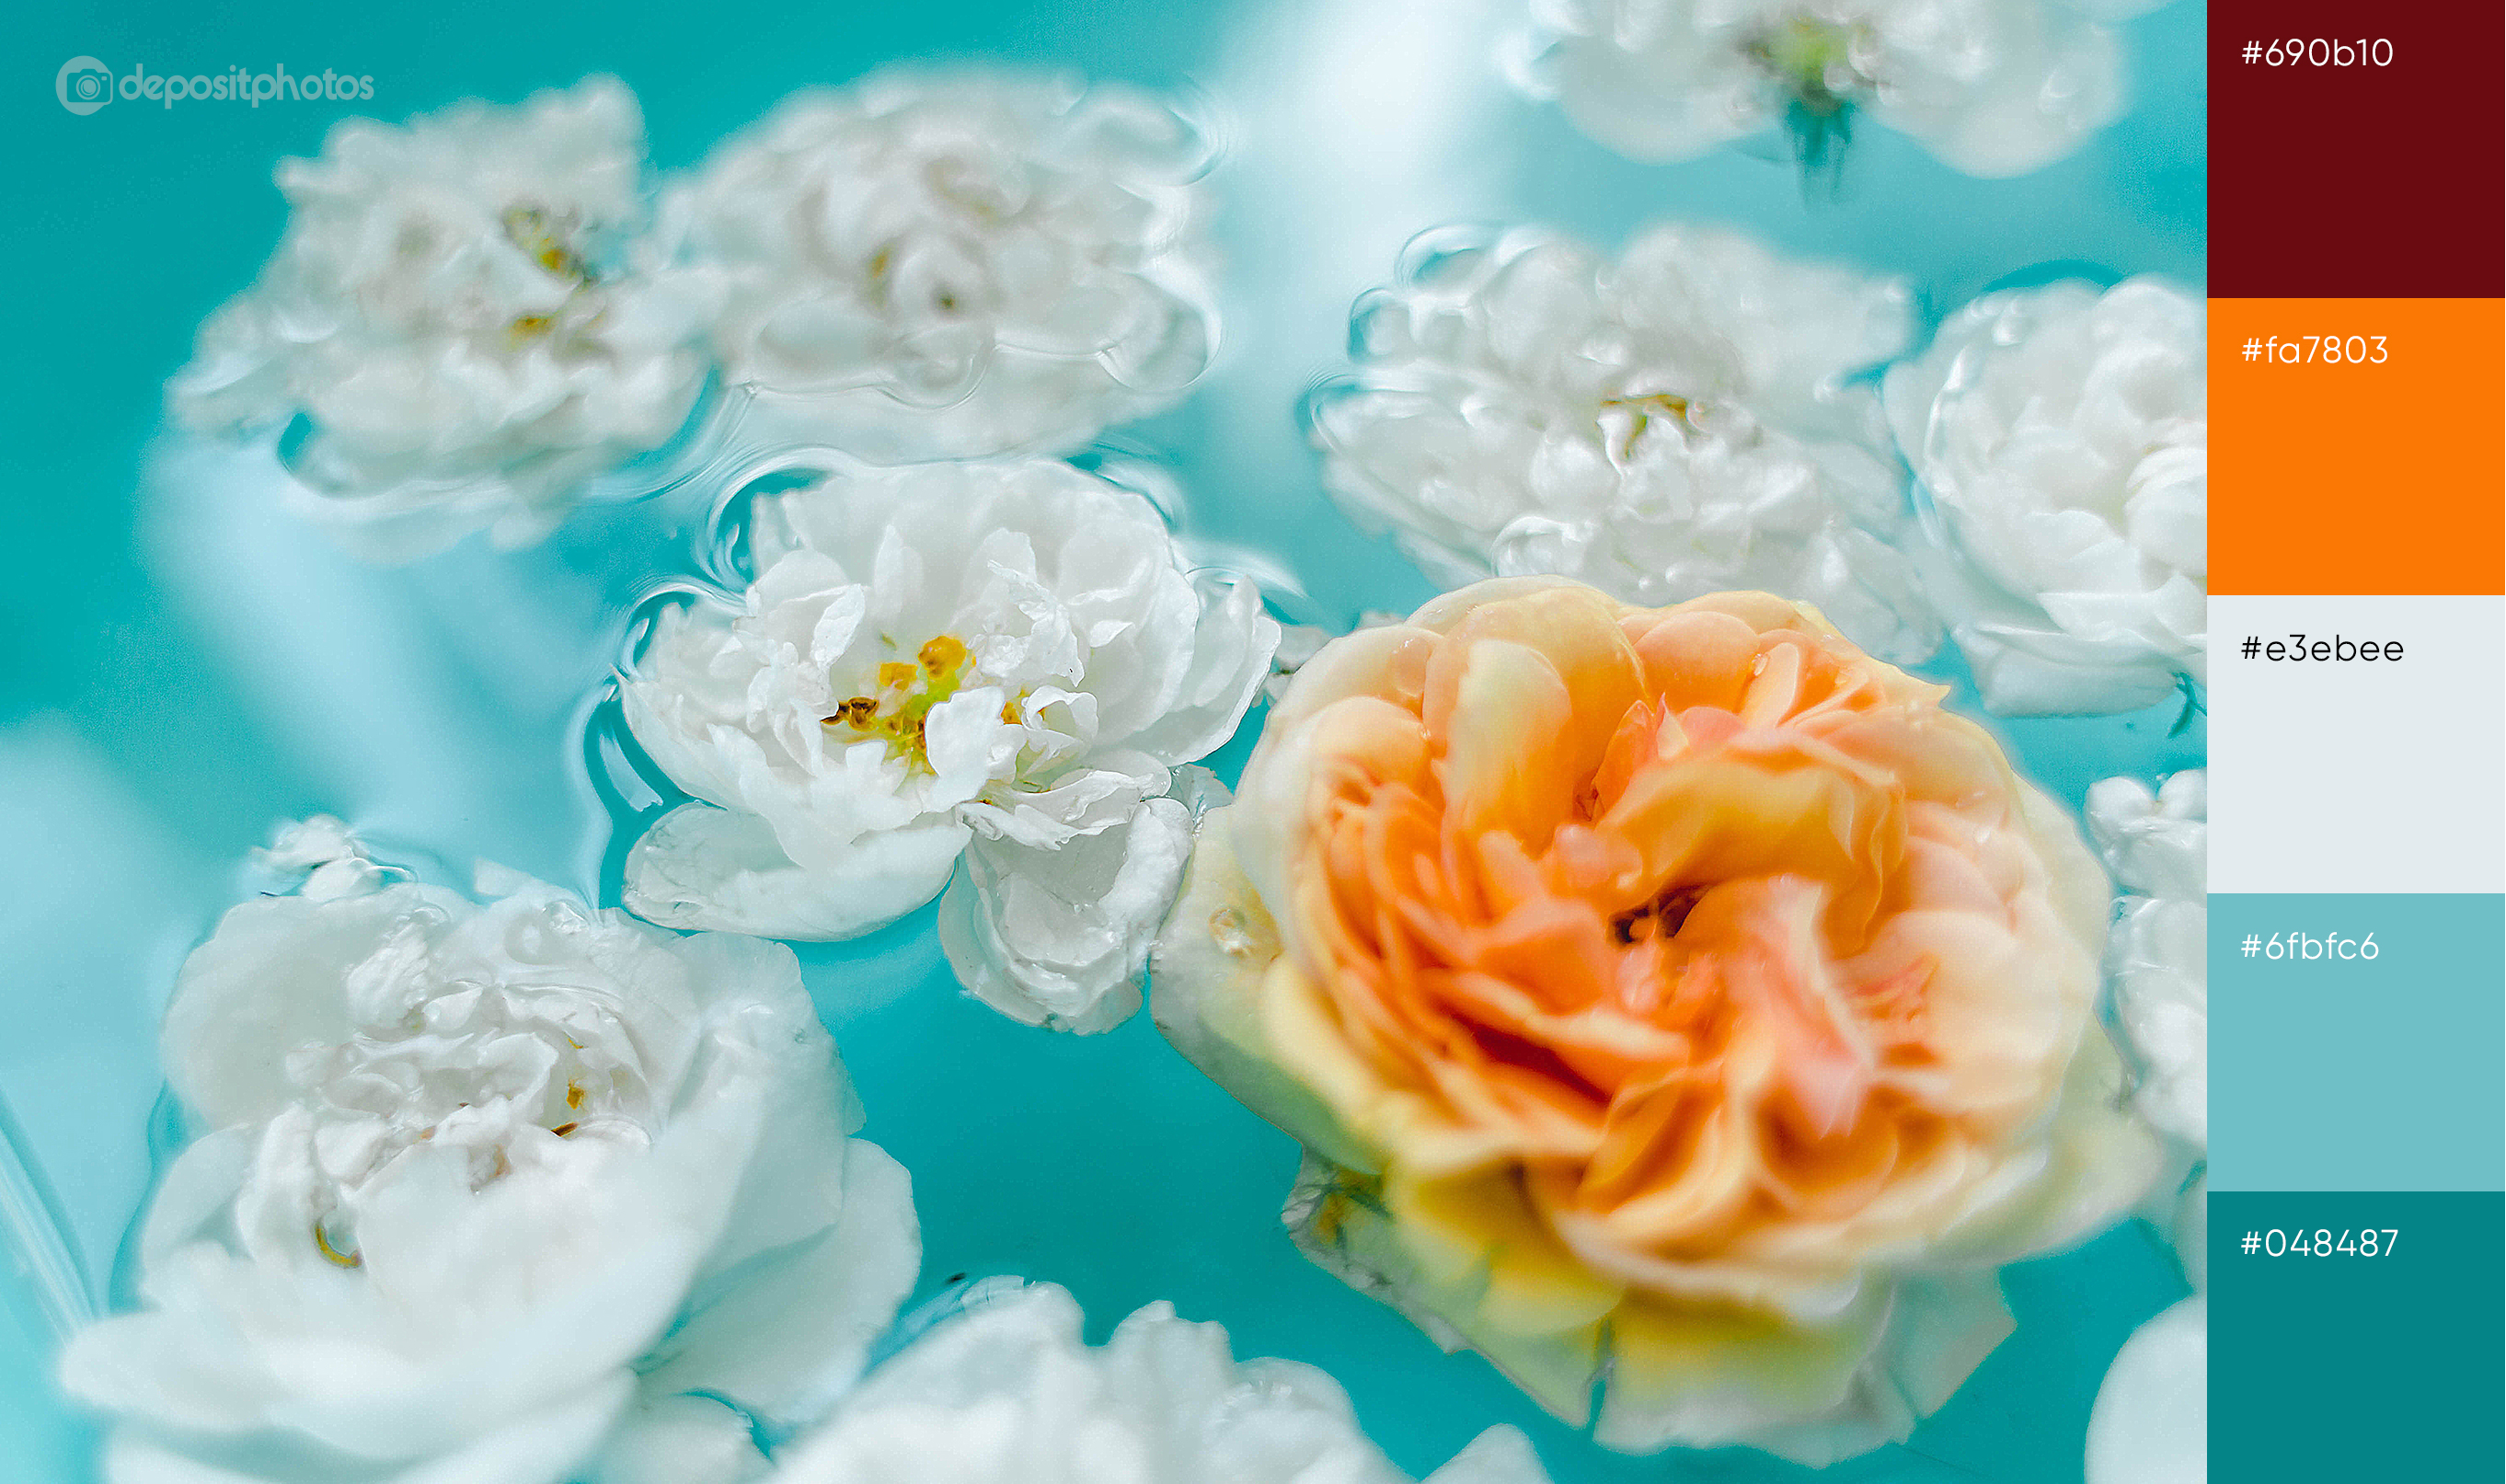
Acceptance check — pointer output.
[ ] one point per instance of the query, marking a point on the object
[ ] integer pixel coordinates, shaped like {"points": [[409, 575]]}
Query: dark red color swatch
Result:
{"points": [[2360, 181]]}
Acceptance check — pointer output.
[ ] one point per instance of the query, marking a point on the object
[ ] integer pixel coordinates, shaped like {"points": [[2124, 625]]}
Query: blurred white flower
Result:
{"points": [[450, 311], [1990, 86], [1005, 661], [928, 267], [2150, 1424], [1676, 423], [2063, 434], [2157, 844], [1005, 1392], [483, 1184]]}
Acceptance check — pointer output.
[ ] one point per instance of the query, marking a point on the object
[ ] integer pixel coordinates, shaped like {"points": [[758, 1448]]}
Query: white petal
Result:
{"points": [[681, 1440], [542, 1449], [269, 981], [1060, 937], [321, 849], [2156, 845], [1005, 1392], [1684, 419], [2061, 434], [792, 1329], [705, 867], [2152, 1420], [1992, 86], [1501, 1455], [923, 267]]}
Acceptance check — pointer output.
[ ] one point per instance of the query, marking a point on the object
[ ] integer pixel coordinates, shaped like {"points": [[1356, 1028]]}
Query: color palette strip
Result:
{"points": [[2358, 742]]}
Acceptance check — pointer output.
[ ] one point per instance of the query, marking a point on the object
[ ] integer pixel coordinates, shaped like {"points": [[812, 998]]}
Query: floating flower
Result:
{"points": [[2157, 843], [2150, 1424], [1682, 421], [450, 314], [2064, 437], [958, 266], [1005, 1392], [1990, 86], [1006, 663], [1677, 1005], [483, 1184]]}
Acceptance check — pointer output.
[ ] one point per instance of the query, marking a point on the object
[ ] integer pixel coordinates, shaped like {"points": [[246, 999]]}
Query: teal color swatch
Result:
{"points": [[2355, 1043], [2349, 1366]]}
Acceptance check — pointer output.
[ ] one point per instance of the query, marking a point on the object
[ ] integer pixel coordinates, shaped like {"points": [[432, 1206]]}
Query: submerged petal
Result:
{"points": [[715, 869]]}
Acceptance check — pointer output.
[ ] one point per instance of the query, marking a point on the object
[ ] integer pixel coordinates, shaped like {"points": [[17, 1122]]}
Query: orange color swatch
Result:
{"points": [[2354, 475]]}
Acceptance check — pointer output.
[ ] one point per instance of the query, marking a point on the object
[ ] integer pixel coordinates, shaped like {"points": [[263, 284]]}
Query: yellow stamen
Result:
{"points": [[1645, 408], [351, 1258], [527, 227], [907, 690]]}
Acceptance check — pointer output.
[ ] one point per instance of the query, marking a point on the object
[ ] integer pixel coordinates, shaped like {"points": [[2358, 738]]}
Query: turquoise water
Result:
{"points": [[182, 665]]}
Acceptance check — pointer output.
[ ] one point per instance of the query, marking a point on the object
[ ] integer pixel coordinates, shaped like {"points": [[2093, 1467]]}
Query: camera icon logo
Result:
{"points": [[83, 85]]}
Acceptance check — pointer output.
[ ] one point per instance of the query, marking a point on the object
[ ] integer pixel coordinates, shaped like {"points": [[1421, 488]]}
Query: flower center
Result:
{"points": [[901, 707], [1812, 59], [530, 228], [470, 1070], [1626, 419], [1813, 62], [1660, 917]]}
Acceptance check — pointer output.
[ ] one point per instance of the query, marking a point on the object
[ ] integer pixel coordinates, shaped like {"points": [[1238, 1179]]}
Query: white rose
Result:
{"points": [[1004, 662], [1990, 86], [2156, 845], [2064, 437], [1005, 1392], [484, 1183], [1679, 422], [954, 265], [450, 312]]}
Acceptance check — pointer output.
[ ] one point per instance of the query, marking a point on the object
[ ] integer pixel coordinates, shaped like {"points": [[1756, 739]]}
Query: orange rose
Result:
{"points": [[1677, 1000]]}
